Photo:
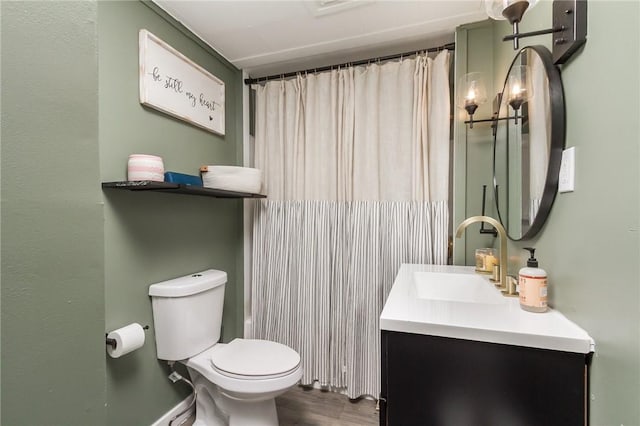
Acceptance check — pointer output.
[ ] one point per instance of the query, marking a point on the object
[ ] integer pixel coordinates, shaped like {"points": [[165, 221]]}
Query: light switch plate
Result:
{"points": [[567, 180]]}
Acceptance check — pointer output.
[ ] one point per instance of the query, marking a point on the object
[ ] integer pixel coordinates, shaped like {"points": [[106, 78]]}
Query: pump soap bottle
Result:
{"points": [[533, 285]]}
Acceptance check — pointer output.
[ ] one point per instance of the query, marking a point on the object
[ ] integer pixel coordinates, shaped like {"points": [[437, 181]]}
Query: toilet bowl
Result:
{"points": [[238, 386], [236, 383]]}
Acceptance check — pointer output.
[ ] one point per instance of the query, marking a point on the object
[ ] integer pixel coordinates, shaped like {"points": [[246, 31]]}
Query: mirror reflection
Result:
{"points": [[529, 131]]}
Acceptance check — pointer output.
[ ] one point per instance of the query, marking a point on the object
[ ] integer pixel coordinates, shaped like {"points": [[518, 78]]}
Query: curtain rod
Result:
{"points": [[448, 46]]}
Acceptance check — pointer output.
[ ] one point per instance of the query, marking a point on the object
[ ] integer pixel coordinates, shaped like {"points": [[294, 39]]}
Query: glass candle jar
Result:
{"points": [[485, 259]]}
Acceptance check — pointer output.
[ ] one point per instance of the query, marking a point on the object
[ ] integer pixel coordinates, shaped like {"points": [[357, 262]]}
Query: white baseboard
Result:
{"points": [[164, 420]]}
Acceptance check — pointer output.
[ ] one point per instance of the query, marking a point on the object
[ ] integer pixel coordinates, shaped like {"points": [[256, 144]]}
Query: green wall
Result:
{"points": [[76, 260], [53, 306], [590, 245], [155, 237]]}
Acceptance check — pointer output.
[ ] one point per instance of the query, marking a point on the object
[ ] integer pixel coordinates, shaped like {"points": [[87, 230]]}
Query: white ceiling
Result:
{"points": [[273, 37]]}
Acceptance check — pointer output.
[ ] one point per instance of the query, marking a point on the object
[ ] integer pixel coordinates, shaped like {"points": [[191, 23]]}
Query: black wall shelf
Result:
{"points": [[177, 188]]}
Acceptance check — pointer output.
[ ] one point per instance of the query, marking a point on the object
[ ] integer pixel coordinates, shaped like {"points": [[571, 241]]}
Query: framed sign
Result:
{"points": [[172, 83]]}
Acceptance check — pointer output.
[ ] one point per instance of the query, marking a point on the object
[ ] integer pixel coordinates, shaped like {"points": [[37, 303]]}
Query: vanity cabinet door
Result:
{"points": [[437, 381]]}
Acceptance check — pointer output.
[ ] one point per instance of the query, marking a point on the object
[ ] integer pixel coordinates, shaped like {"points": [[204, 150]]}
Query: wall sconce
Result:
{"points": [[518, 92], [511, 10], [519, 88], [471, 94], [569, 25]]}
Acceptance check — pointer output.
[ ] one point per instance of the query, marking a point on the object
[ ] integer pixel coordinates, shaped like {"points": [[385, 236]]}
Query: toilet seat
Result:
{"points": [[254, 359], [245, 384]]}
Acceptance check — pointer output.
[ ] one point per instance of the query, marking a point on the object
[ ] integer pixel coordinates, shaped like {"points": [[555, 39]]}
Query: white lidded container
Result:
{"points": [[232, 178], [145, 167], [187, 313]]}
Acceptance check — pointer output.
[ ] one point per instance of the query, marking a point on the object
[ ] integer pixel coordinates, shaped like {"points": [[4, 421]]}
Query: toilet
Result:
{"points": [[237, 382]]}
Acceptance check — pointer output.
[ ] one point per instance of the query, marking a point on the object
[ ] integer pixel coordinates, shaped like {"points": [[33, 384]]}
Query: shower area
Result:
{"points": [[356, 166]]}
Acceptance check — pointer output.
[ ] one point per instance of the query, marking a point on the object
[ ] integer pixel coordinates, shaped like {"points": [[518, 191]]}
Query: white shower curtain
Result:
{"points": [[539, 134], [356, 165]]}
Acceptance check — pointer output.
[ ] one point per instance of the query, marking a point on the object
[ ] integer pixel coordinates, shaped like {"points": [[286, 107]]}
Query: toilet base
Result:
{"points": [[214, 408]]}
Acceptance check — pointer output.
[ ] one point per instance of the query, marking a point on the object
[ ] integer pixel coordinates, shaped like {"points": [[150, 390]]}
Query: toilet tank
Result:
{"points": [[187, 313]]}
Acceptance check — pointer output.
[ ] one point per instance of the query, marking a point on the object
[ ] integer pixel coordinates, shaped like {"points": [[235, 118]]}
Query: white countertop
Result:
{"points": [[503, 322]]}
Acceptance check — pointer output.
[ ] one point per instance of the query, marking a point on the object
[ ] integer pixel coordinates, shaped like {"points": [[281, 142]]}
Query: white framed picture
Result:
{"points": [[172, 83]]}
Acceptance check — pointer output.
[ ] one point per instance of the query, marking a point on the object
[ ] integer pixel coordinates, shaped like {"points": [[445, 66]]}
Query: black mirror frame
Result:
{"points": [[558, 129]]}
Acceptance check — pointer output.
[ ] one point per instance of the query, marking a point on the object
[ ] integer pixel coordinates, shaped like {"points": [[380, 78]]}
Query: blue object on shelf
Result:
{"points": [[174, 177]]}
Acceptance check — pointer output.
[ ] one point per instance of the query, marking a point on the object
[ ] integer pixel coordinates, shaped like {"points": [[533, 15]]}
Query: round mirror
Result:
{"points": [[528, 143]]}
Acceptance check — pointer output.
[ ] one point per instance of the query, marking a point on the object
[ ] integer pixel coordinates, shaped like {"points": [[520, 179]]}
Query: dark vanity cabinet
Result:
{"points": [[439, 381]]}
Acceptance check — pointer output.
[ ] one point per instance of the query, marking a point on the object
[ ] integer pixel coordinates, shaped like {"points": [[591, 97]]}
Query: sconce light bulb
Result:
{"points": [[519, 90], [516, 89], [471, 94]]}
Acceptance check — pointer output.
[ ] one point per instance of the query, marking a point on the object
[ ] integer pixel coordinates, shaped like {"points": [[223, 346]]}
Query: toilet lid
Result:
{"points": [[249, 357]]}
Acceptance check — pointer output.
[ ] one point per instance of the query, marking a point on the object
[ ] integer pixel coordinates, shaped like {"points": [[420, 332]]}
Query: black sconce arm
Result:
{"points": [[533, 33], [569, 22]]}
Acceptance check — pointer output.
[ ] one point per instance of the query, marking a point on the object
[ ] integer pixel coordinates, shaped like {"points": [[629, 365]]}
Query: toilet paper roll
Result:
{"points": [[128, 339]]}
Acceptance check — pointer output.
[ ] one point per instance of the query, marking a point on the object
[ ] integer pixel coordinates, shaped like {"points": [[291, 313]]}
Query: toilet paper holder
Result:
{"points": [[113, 343]]}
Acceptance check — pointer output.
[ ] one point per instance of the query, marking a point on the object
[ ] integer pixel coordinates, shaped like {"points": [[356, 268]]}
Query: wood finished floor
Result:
{"points": [[305, 406]]}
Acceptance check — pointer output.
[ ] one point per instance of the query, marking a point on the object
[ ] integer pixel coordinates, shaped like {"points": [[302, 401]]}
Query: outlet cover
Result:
{"points": [[567, 180]]}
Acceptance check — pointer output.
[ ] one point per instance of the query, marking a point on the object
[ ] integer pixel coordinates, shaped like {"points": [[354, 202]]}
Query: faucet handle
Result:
{"points": [[511, 287], [495, 277]]}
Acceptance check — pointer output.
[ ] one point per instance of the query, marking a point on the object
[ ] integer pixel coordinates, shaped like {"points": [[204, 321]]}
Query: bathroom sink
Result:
{"points": [[453, 287], [457, 303]]}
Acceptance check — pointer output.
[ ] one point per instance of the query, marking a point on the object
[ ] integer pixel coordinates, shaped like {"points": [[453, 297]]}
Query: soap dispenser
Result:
{"points": [[533, 285]]}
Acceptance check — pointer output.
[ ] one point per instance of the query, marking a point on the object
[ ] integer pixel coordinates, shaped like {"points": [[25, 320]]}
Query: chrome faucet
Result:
{"points": [[505, 284]]}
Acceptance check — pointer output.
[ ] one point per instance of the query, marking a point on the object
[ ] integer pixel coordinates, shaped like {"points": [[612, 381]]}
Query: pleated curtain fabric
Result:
{"points": [[539, 135], [356, 166]]}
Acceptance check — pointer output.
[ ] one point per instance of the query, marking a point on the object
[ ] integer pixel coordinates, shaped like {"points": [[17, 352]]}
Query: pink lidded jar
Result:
{"points": [[145, 167]]}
